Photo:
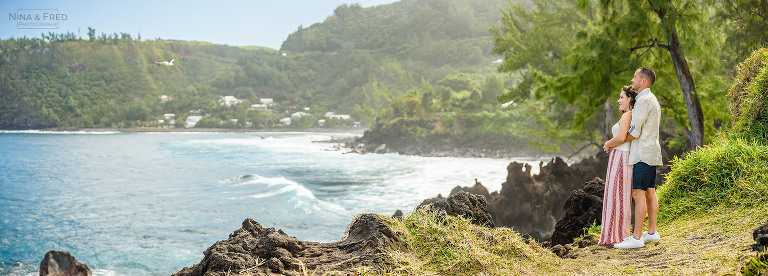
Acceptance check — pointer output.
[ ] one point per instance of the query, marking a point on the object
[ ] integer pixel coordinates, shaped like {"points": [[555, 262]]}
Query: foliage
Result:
{"points": [[533, 41], [757, 265], [744, 24]]}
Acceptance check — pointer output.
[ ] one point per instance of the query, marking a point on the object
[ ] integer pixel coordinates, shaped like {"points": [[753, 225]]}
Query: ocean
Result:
{"points": [[151, 203]]}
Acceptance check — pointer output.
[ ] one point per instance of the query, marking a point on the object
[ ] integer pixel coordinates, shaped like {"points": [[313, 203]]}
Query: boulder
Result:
{"points": [[560, 250], [463, 204], [398, 215], [478, 189], [582, 208], [58, 263], [760, 235], [588, 241], [254, 250]]}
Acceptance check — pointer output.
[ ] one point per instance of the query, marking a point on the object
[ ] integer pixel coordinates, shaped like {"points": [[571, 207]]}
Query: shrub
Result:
{"points": [[749, 105]]}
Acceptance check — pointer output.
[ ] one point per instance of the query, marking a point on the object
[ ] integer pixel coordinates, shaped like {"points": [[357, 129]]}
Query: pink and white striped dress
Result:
{"points": [[617, 196]]}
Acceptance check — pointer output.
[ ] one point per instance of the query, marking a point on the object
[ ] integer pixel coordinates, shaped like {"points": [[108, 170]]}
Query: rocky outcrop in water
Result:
{"points": [[398, 137], [255, 250], [532, 204], [462, 204], [58, 263], [583, 207]]}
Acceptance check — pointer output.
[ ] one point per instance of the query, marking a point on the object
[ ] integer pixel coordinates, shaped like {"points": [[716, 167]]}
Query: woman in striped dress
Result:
{"points": [[618, 179]]}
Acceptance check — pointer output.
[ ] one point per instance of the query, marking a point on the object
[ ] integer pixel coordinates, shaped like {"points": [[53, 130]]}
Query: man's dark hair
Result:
{"points": [[648, 73]]}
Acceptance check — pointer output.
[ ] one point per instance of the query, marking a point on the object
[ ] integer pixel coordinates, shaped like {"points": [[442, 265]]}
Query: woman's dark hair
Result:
{"points": [[631, 94]]}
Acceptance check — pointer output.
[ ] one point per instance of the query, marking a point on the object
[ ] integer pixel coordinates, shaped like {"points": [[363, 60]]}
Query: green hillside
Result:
{"points": [[114, 81]]}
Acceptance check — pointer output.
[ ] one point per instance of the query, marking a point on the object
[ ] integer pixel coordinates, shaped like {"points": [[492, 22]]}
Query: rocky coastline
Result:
{"points": [[557, 204], [400, 137]]}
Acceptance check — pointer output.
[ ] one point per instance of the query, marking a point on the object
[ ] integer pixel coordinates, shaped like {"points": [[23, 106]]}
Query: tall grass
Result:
{"points": [[454, 246], [729, 172]]}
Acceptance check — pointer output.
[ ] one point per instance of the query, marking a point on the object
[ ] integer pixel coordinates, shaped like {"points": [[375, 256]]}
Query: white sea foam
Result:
{"points": [[291, 191], [103, 272], [275, 142]]}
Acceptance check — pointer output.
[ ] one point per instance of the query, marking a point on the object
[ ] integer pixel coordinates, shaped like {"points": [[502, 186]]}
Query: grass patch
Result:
{"points": [[711, 242], [730, 172], [455, 246]]}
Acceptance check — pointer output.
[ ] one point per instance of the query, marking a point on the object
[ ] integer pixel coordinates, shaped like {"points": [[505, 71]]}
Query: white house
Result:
{"points": [[262, 107], [168, 116], [192, 121], [286, 121], [332, 115], [299, 114], [229, 101], [267, 101], [342, 117]]}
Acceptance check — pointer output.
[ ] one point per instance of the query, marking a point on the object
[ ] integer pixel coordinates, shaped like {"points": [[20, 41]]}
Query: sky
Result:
{"points": [[264, 23]]}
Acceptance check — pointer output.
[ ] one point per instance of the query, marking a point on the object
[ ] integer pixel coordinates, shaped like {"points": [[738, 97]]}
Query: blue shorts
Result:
{"points": [[643, 176]]}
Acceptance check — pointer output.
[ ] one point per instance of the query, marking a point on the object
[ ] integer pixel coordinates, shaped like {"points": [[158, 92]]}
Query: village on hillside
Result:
{"points": [[270, 114]]}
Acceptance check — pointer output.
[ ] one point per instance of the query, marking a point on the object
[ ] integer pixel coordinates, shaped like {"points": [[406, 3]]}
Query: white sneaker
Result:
{"points": [[649, 238], [630, 243]]}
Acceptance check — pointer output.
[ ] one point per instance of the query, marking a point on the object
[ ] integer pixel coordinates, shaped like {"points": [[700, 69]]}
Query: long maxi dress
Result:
{"points": [[617, 196]]}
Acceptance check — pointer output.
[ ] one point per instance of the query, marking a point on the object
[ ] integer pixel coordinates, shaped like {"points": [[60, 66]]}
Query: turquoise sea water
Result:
{"points": [[151, 203]]}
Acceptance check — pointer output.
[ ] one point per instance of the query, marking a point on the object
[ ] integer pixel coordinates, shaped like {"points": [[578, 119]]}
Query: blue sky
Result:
{"points": [[237, 23]]}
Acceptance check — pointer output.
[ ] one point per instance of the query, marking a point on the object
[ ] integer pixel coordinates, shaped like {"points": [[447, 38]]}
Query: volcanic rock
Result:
{"points": [[58, 263], [478, 189], [464, 204], [761, 238], [255, 250], [532, 204], [560, 250], [582, 208]]}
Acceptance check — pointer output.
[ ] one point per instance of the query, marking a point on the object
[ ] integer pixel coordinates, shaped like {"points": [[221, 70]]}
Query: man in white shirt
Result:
{"points": [[644, 156]]}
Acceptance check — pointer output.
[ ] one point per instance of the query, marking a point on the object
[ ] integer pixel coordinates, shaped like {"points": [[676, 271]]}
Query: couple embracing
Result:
{"points": [[634, 154]]}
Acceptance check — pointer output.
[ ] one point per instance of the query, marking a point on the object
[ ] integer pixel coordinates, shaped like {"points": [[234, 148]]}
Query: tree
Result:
{"points": [[91, 34], [641, 25], [534, 42], [493, 87], [745, 24]]}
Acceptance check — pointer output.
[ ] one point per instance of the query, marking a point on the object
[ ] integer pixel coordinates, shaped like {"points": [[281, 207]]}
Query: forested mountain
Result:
{"points": [[425, 35], [110, 80]]}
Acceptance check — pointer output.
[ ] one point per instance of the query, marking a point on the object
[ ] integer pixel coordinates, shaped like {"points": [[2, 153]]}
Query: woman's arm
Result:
{"points": [[621, 136]]}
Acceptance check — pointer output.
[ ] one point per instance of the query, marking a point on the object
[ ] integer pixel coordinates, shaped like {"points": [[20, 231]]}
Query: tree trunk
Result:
{"points": [[608, 134], [692, 104]]}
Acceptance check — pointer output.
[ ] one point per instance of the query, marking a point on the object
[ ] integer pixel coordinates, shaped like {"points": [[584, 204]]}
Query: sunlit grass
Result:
{"points": [[454, 246], [730, 172]]}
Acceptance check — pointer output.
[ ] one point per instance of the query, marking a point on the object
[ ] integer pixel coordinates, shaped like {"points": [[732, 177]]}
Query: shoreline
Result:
{"points": [[355, 131]]}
